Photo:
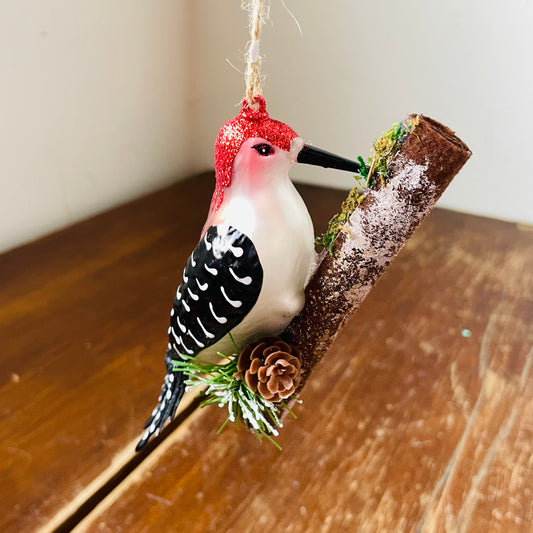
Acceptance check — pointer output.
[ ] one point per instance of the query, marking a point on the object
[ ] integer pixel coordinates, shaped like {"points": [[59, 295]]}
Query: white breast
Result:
{"points": [[279, 225]]}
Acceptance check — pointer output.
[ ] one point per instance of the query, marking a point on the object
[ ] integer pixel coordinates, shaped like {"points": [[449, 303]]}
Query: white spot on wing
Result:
{"points": [[201, 286], [212, 271], [206, 333], [177, 347], [178, 339], [207, 243], [220, 246], [193, 262], [237, 251], [245, 281], [190, 352], [185, 278], [219, 319], [192, 295], [233, 303], [200, 345], [181, 326], [187, 308]]}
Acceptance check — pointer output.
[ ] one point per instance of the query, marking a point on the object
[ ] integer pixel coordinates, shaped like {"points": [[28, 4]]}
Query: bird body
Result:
{"points": [[248, 273], [264, 205]]}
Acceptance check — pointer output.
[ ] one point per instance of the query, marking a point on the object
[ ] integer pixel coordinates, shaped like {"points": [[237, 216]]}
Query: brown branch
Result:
{"points": [[375, 232]]}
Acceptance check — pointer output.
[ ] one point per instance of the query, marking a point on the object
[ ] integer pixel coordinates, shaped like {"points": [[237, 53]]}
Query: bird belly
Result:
{"points": [[284, 240]]}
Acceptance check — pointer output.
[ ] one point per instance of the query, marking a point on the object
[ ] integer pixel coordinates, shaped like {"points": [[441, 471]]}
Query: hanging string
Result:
{"points": [[258, 14]]}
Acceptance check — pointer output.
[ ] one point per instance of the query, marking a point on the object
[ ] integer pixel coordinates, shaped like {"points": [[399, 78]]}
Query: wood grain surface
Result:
{"points": [[420, 418]]}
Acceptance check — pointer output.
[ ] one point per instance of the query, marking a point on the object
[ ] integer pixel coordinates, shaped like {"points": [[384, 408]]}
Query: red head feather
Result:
{"points": [[248, 123]]}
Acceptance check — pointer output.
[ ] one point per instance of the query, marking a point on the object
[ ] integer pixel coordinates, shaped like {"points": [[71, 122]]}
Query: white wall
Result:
{"points": [[103, 101], [361, 65], [93, 102]]}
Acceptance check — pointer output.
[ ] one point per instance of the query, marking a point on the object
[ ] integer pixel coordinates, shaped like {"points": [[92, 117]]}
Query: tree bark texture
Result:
{"points": [[376, 231]]}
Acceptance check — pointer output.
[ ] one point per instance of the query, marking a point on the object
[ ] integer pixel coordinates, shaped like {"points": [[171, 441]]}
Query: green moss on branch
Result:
{"points": [[373, 175]]}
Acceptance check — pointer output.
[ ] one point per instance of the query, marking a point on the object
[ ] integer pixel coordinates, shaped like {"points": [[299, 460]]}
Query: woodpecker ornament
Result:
{"points": [[246, 277]]}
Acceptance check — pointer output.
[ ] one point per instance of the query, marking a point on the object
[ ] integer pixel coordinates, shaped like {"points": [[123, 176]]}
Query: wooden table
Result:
{"points": [[420, 418]]}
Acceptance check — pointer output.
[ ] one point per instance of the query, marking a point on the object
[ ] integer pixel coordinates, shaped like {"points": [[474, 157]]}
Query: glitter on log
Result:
{"points": [[373, 235]]}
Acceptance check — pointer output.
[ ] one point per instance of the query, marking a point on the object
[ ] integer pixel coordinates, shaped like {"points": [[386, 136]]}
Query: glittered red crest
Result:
{"points": [[248, 123]]}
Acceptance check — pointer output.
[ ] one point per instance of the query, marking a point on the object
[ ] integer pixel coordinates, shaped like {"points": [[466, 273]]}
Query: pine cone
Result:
{"points": [[270, 367]]}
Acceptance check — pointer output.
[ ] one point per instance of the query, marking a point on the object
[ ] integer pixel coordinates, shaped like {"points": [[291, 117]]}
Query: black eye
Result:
{"points": [[263, 149]]}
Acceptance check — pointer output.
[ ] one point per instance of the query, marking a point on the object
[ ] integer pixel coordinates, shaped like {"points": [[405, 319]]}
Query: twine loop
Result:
{"points": [[258, 11]]}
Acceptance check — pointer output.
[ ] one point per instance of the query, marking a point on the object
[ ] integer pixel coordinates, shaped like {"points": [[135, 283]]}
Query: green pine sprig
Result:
{"points": [[223, 388]]}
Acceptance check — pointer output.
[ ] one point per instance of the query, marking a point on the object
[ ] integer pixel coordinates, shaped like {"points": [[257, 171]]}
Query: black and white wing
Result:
{"points": [[221, 284]]}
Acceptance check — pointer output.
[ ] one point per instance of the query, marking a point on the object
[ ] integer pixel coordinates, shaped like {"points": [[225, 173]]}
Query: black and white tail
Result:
{"points": [[171, 394], [221, 284]]}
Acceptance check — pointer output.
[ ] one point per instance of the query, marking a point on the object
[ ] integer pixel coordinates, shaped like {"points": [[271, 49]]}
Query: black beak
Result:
{"points": [[315, 156]]}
